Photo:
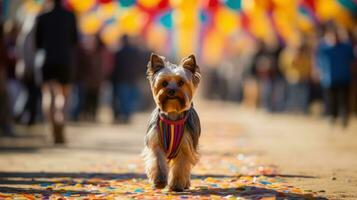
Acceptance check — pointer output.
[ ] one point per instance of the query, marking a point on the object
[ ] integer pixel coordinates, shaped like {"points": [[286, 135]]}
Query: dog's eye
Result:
{"points": [[164, 83], [180, 83]]}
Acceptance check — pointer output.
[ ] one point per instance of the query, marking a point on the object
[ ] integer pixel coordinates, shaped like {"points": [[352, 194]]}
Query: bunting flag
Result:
{"points": [[204, 27], [307, 8]]}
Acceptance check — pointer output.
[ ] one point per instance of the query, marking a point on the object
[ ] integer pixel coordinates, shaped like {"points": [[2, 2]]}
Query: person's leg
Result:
{"points": [[91, 104], [265, 94], [48, 107], [47, 101], [77, 101], [62, 93], [251, 94], [5, 111], [59, 103], [353, 97], [55, 97], [134, 98], [303, 97], [333, 103], [95, 103], [280, 94], [125, 101], [124, 98], [14, 92], [344, 104], [65, 92], [34, 93], [5, 114], [86, 99], [326, 101], [291, 100], [115, 101], [299, 98], [48, 98]]}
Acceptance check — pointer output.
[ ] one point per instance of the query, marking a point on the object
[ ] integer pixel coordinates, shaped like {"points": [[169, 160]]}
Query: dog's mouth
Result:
{"points": [[172, 103], [172, 98]]}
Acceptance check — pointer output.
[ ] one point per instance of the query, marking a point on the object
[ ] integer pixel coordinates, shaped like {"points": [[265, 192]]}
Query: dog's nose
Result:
{"points": [[171, 92]]}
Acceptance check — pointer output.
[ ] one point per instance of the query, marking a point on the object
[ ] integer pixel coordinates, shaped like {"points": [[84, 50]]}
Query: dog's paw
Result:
{"points": [[160, 184], [176, 188], [187, 185]]}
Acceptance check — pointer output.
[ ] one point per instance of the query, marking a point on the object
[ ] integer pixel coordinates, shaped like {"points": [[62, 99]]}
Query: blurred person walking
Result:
{"points": [[14, 87], [28, 73], [353, 36], [95, 65], [56, 34], [5, 109], [124, 79], [334, 59], [93, 74], [296, 63], [146, 100], [265, 67]]}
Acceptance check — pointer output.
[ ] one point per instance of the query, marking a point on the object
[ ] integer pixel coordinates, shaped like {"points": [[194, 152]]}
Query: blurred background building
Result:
{"points": [[294, 56]]}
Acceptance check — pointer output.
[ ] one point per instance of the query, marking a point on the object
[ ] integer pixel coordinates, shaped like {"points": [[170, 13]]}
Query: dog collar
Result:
{"points": [[170, 135]]}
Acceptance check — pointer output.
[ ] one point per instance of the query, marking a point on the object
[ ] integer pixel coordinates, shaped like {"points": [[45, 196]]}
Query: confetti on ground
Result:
{"points": [[129, 182]]}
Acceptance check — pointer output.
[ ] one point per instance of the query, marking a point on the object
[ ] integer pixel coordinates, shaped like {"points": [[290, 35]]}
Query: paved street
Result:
{"points": [[244, 154]]}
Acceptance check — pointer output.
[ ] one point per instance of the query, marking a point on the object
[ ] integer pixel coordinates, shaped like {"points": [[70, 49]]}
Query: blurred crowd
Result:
{"points": [[320, 70], [50, 72]]}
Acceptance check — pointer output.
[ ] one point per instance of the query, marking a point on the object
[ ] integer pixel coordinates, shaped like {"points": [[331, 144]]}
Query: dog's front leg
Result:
{"points": [[180, 167], [179, 176], [155, 164]]}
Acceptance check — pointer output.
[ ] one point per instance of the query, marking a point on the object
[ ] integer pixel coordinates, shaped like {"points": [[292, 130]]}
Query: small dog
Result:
{"points": [[174, 128]]}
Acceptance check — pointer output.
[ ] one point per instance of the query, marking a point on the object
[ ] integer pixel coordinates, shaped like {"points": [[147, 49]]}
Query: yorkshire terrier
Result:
{"points": [[174, 128]]}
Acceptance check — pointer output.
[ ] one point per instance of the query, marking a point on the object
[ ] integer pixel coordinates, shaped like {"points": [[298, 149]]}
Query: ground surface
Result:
{"points": [[244, 154]]}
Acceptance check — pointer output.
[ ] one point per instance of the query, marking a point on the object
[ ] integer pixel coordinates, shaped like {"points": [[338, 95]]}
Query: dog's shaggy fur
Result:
{"points": [[173, 88]]}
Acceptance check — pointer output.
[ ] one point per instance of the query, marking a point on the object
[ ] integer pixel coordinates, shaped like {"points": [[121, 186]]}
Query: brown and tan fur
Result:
{"points": [[183, 79]]}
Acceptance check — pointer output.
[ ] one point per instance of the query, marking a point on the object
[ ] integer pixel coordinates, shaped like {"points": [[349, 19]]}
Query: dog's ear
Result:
{"points": [[189, 63], [155, 64]]}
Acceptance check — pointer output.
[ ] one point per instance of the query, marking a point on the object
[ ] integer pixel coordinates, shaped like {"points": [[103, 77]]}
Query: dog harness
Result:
{"points": [[170, 135]]}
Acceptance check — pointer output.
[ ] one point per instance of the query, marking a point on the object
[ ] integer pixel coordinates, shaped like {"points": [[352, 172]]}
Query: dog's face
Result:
{"points": [[173, 86]]}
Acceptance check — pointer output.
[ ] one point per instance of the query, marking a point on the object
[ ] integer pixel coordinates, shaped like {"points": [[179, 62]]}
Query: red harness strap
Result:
{"points": [[170, 135]]}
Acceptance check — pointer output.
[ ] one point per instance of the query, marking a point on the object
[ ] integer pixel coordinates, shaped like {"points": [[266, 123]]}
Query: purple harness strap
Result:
{"points": [[170, 135]]}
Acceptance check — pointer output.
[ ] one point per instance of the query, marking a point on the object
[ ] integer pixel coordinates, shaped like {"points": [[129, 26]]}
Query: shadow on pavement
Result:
{"points": [[249, 192], [18, 147], [243, 175], [4, 150], [41, 191], [106, 176]]}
